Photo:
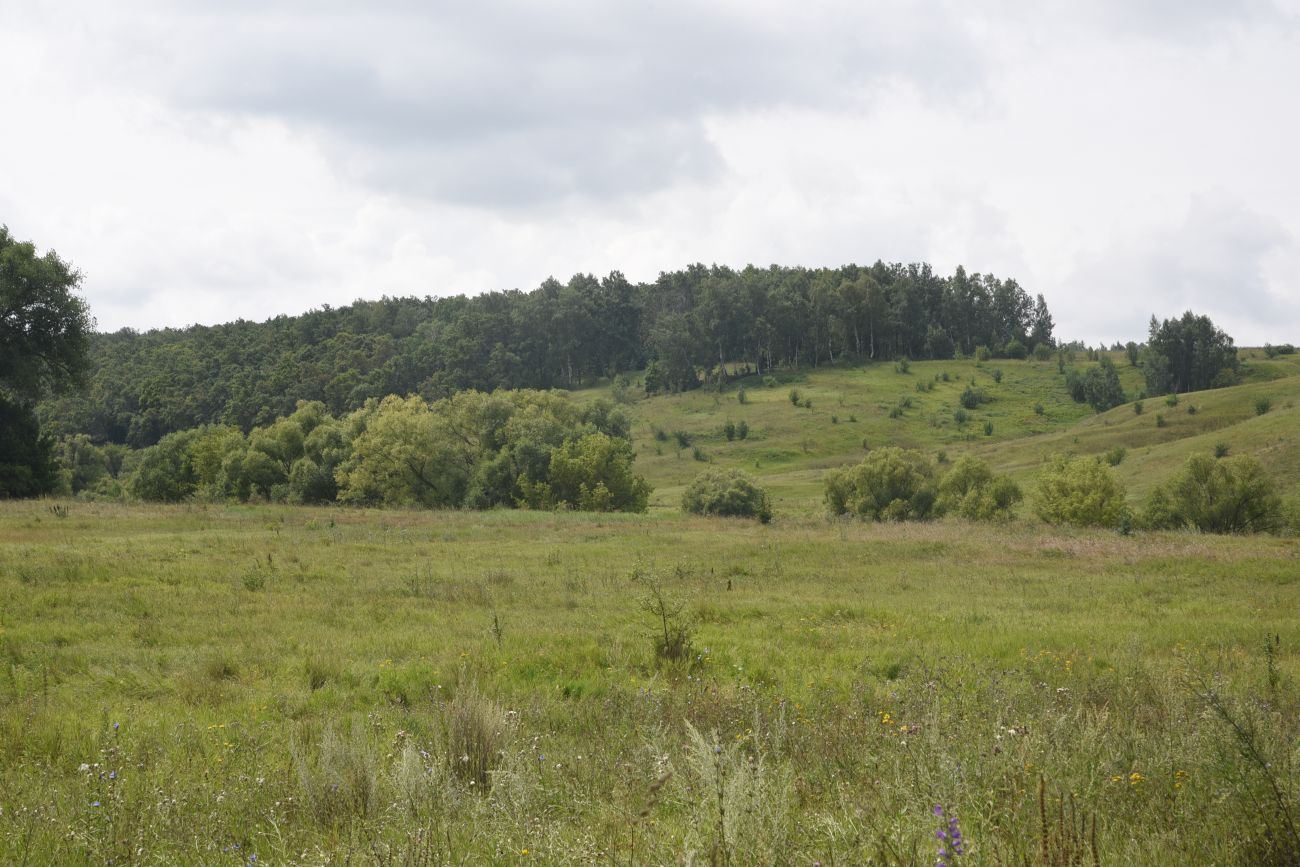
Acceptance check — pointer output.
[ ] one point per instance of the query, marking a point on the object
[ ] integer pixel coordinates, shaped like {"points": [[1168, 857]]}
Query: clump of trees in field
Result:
{"points": [[522, 448], [894, 484], [1080, 491], [727, 493]]}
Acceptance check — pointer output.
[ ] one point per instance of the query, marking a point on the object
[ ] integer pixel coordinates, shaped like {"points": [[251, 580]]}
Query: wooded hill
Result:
{"points": [[683, 328]]}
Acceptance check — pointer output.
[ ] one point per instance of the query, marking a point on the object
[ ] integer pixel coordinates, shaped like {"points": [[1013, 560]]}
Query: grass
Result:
{"points": [[200, 684]]}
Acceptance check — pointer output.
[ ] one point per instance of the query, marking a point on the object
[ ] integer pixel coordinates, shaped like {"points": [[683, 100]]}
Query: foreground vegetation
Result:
{"points": [[190, 684]]}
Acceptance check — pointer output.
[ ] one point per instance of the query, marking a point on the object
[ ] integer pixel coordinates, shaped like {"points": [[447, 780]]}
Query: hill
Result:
{"points": [[854, 408]]}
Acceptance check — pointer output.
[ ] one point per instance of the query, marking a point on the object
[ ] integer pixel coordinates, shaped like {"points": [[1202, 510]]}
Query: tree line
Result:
{"points": [[687, 328]]}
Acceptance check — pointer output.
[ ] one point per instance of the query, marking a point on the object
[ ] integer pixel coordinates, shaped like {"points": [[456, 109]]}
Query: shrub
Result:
{"points": [[742, 429], [1191, 409], [983, 353], [1171, 400], [769, 382], [1015, 349], [731, 493], [729, 430], [835, 419], [1137, 407], [970, 489], [960, 416], [997, 375], [988, 428], [1042, 352], [1232, 495], [1158, 513], [1263, 405], [891, 484], [1220, 449], [700, 455], [1080, 491], [895, 411], [971, 398], [794, 396], [1116, 456], [1038, 409], [660, 434], [682, 437], [742, 396], [807, 403], [903, 365]]}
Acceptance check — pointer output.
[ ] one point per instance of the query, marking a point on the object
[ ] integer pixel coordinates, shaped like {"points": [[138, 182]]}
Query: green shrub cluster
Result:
{"points": [[893, 484], [1081, 491], [729, 493]]}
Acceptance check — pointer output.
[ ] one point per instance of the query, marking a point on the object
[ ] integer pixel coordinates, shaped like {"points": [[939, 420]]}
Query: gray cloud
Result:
{"points": [[517, 103]]}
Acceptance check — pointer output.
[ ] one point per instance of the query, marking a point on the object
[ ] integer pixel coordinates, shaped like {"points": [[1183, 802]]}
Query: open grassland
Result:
{"points": [[207, 684], [789, 447]]}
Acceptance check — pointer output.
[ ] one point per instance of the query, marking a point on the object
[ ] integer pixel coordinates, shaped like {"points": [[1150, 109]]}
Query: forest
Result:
{"points": [[685, 328]]}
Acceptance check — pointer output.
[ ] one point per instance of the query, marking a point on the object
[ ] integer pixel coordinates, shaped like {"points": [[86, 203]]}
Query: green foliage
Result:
{"points": [[983, 353], [1080, 491], [972, 397], [742, 396], [44, 328], [1188, 354], [891, 484], [1172, 400], [1038, 409], [1115, 456], [728, 493], [27, 462], [742, 429], [1160, 419], [1263, 405], [794, 396], [165, 472], [972, 490], [1014, 348], [1098, 386], [903, 365], [988, 428], [1137, 407], [1230, 495], [594, 473], [960, 416], [1221, 449], [729, 430], [997, 375]]}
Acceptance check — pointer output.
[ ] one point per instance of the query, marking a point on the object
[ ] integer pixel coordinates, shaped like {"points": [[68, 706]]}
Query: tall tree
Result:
{"points": [[44, 335]]}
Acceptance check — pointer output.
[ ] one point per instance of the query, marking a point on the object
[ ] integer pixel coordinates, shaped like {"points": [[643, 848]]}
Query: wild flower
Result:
{"points": [[951, 843]]}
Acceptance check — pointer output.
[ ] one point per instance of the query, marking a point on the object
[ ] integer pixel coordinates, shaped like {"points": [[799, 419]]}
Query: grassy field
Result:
{"points": [[240, 685]]}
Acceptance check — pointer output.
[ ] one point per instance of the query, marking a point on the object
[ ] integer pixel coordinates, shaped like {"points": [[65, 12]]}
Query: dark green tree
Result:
{"points": [[44, 334], [1188, 354]]}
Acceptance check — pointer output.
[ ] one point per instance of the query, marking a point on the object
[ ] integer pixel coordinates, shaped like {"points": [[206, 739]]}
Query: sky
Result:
{"points": [[205, 161]]}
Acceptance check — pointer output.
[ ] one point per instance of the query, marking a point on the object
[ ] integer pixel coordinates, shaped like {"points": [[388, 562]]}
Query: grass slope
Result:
{"points": [[790, 447]]}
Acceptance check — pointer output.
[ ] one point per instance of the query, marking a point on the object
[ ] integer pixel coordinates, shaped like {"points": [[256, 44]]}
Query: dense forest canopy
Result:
{"points": [[686, 326]]}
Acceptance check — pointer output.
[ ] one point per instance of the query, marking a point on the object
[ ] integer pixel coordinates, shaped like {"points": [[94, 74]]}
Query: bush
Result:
{"points": [[970, 489], [1038, 409], [1160, 419], [1116, 456], [1263, 405], [983, 353], [1080, 491], [1171, 400], [741, 396], [891, 484], [971, 398], [1042, 352], [1220, 449], [794, 396], [729, 430], [730, 493], [1137, 407], [903, 365], [1015, 349], [997, 375], [682, 437], [988, 428], [960, 416], [1232, 495], [742, 429]]}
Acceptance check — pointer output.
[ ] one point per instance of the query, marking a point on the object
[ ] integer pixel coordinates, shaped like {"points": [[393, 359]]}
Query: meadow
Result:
{"points": [[213, 684]]}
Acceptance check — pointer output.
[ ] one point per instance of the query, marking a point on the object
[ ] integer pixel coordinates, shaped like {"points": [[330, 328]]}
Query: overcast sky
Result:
{"points": [[204, 161]]}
